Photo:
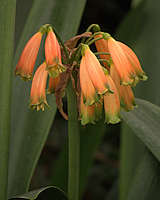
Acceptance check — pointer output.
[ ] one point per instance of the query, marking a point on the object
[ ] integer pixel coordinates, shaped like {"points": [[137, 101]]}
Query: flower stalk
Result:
{"points": [[73, 145]]}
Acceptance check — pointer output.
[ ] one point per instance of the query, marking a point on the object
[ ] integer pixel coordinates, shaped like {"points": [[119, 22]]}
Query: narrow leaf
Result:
{"points": [[7, 23]]}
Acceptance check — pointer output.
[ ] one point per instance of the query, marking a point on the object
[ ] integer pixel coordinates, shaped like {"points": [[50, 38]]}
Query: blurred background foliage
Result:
{"points": [[110, 155]]}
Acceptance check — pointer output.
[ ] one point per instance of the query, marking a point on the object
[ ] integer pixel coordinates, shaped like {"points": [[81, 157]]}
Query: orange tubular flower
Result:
{"points": [[53, 54], [38, 95], [87, 88], [90, 64], [125, 92], [134, 61], [28, 57], [123, 66], [112, 104]]}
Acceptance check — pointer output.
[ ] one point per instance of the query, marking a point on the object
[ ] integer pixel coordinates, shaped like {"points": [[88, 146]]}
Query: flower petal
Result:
{"points": [[28, 57], [38, 94]]}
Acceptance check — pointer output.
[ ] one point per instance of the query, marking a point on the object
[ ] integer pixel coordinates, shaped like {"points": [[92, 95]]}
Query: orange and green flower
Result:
{"points": [[112, 103], [28, 57], [53, 54], [38, 89]]}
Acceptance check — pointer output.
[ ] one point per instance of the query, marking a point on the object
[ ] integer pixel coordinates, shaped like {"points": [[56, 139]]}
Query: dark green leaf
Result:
{"points": [[7, 24], [145, 122], [49, 192], [145, 185]]}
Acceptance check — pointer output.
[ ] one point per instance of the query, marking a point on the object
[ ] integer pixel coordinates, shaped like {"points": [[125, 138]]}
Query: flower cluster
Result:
{"points": [[51, 66], [111, 85], [105, 81]]}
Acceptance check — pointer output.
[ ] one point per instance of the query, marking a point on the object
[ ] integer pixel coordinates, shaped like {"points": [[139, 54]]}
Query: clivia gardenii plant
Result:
{"points": [[102, 81]]}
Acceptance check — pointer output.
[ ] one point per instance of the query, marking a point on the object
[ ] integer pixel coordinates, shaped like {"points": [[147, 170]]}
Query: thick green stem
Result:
{"points": [[73, 145], [7, 23]]}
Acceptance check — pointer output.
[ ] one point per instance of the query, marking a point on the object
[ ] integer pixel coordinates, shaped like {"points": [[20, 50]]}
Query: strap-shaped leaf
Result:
{"points": [[49, 192], [7, 26], [145, 122]]}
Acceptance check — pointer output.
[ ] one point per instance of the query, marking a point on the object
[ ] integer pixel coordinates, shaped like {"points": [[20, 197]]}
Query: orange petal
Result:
{"points": [[125, 92], [87, 87], [52, 49], [112, 104], [38, 94], [95, 72], [28, 57], [133, 60], [121, 62]]}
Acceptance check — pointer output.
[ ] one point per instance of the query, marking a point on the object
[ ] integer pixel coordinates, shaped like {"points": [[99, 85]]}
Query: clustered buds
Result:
{"points": [[105, 81]]}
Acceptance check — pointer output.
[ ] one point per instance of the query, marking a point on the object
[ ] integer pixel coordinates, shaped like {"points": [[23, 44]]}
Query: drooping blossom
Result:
{"points": [[28, 57], [92, 77], [38, 89], [53, 54], [125, 61], [125, 92]]}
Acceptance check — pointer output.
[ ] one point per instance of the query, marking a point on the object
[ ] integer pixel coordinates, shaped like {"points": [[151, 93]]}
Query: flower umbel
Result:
{"points": [[102, 81], [28, 57]]}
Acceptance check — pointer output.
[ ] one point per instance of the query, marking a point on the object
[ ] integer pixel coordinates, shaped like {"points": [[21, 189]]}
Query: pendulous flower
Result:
{"points": [[53, 54], [38, 93], [92, 77], [125, 61], [134, 61], [125, 91], [28, 57]]}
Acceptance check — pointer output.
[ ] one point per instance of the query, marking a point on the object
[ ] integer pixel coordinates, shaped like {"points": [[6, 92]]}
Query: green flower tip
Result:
{"points": [[112, 119], [84, 47], [44, 29]]}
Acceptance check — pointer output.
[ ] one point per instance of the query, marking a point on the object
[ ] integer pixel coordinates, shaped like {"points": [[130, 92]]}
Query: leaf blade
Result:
{"points": [[145, 122], [7, 23]]}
